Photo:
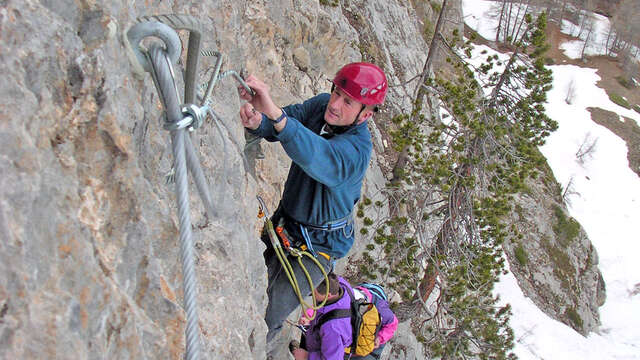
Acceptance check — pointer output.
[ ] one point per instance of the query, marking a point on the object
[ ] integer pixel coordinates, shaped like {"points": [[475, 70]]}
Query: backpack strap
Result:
{"points": [[354, 327], [351, 296], [338, 313], [334, 314]]}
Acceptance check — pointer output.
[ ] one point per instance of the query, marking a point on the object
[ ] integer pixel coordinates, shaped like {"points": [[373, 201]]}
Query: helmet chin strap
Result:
{"points": [[357, 116]]}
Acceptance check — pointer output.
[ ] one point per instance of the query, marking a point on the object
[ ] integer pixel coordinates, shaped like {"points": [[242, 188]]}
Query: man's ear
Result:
{"points": [[365, 115]]}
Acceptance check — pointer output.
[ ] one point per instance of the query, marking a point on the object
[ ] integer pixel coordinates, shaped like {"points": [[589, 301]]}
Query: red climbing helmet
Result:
{"points": [[362, 81]]}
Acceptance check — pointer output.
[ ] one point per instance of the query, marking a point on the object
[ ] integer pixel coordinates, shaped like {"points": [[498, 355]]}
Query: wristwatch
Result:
{"points": [[284, 115]]}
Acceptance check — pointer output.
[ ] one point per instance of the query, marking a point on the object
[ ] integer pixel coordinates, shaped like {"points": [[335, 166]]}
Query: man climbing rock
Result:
{"points": [[329, 144]]}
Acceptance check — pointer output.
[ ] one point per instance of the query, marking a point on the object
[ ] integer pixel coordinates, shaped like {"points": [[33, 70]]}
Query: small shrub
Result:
{"points": [[565, 228], [549, 61], [428, 29], [521, 255], [619, 100], [435, 6], [519, 210], [330, 2], [575, 318], [636, 107], [624, 82], [563, 268]]}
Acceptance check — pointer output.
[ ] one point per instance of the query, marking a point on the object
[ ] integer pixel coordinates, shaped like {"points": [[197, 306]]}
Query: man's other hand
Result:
{"points": [[251, 119], [261, 101]]}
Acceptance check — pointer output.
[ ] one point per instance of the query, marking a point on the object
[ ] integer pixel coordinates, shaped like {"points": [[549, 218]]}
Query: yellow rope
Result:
{"points": [[288, 269]]}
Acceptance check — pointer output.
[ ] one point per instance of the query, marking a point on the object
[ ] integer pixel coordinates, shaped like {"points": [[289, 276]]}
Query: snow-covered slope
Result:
{"points": [[607, 205]]}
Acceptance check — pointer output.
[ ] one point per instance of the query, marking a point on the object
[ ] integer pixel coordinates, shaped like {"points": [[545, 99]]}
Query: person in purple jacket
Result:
{"points": [[327, 340]]}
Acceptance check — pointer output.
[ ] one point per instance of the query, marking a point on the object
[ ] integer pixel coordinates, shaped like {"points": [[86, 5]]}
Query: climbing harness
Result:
{"points": [[284, 260], [158, 61], [340, 224]]}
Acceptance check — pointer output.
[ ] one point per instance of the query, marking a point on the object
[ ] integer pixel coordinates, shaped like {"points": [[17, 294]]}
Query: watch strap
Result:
{"points": [[280, 118]]}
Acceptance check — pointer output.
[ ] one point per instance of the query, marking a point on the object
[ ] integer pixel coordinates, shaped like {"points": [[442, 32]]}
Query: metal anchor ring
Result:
{"points": [[153, 28]]}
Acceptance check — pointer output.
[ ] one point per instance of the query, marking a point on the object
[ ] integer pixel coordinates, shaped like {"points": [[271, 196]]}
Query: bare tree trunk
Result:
{"points": [[586, 41], [398, 168], [515, 23], [615, 43], [505, 75], [506, 33], [504, 5], [515, 37], [551, 6], [564, 6], [420, 91], [606, 45], [428, 282], [432, 49], [582, 20]]}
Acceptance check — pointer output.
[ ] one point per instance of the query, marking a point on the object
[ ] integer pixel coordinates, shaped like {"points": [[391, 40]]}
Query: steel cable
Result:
{"points": [[166, 83], [158, 61]]}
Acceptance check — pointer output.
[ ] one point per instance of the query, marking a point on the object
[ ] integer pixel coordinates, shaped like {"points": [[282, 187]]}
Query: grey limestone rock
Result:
{"points": [[89, 240]]}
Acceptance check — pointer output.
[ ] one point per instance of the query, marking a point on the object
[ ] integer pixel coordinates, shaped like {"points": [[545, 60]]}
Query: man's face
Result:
{"points": [[342, 109]]}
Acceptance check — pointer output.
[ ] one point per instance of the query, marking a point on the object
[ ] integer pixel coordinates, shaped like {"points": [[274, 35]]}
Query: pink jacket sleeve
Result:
{"points": [[389, 319], [387, 331]]}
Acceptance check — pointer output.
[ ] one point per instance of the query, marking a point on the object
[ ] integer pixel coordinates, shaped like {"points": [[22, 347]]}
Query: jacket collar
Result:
{"points": [[335, 299]]}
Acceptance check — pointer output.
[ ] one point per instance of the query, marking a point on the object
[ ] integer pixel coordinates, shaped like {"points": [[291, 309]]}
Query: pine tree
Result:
{"points": [[441, 243]]}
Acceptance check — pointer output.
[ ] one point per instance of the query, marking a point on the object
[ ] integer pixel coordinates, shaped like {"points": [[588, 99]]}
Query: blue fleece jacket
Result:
{"points": [[325, 178]]}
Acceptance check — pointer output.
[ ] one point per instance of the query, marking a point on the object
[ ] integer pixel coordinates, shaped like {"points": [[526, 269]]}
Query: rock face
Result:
{"points": [[89, 253], [89, 257], [554, 262], [89, 249]]}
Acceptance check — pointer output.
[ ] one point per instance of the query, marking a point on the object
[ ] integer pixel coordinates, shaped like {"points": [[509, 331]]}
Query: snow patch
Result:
{"points": [[608, 208]]}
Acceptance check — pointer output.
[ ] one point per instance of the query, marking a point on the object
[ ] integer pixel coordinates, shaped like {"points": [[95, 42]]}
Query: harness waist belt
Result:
{"points": [[329, 226], [337, 225]]}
